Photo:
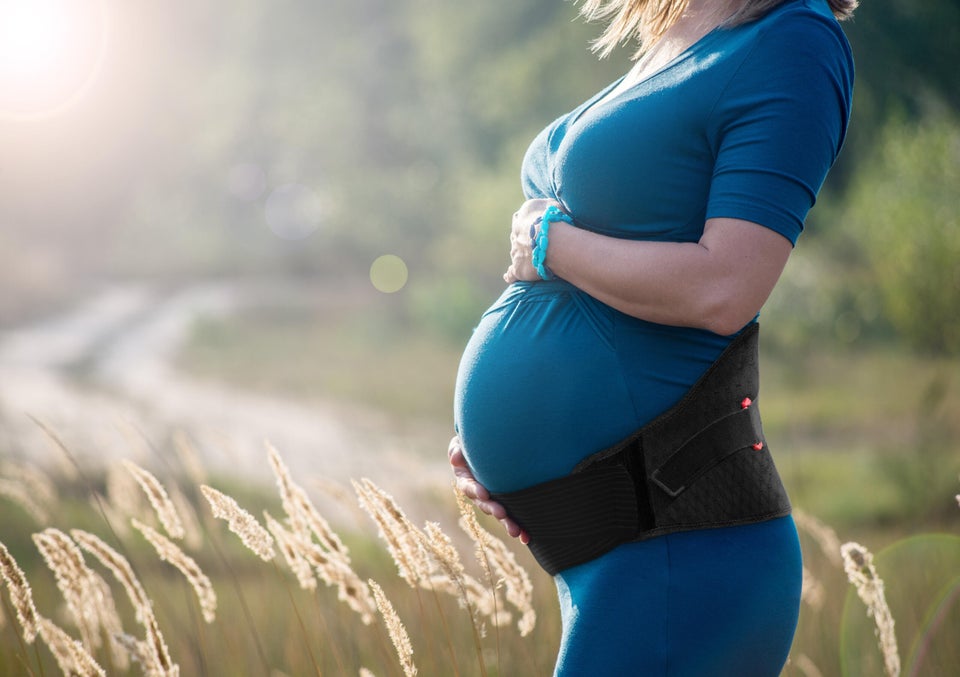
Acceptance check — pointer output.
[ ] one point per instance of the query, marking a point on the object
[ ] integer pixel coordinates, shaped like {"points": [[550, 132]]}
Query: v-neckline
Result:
{"points": [[603, 99]]}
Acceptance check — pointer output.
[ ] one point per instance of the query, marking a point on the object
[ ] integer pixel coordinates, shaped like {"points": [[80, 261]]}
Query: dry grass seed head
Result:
{"points": [[858, 564], [110, 620], [303, 515], [70, 654], [285, 484], [403, 539], [159, 499], [824, 535], [163, 666], [136, 649], [157, 652], [120, 568], [20, 594], [168, 551], [494, 554], [291, 553], [75, 582], [240, 522], [124, 494], [306, 557], [395, 628]]}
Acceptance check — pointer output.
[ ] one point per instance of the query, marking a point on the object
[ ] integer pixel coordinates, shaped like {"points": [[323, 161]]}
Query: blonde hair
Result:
{"points": [[645, 21]]}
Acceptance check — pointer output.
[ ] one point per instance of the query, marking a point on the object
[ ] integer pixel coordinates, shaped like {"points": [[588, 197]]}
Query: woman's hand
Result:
{"points": [[469, 487], [521, 248]]}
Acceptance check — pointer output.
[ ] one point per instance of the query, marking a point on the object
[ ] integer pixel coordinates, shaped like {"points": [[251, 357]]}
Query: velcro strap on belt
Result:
{"points": [[704, 463], [708, 447]]}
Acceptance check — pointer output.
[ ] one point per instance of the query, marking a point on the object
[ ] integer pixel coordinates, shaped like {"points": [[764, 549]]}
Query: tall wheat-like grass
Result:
{"points": [[400, 535], [498, 561], [858, 564], [240, 522], [70, 654], [20, 594], [427, 559], [396, 630], [328, 556], [159, 499], [87, 595], [155, 654], [454, 576], [168, 551], [823, 535], [290, 549], [124, 499]]}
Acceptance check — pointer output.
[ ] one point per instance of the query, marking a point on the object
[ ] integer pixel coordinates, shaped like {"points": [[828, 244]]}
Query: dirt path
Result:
{"points": [[101, 375]]}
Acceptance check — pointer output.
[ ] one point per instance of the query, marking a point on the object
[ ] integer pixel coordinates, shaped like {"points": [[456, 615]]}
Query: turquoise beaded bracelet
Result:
{"points": [[541, 239]]}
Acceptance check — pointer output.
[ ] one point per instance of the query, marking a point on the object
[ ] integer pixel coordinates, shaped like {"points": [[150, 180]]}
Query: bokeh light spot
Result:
{"points": [[388, 273], [294, 211]]}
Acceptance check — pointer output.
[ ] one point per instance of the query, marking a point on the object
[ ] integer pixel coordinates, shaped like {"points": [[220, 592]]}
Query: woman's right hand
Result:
{"points": [[468, 485], [521, 248]]}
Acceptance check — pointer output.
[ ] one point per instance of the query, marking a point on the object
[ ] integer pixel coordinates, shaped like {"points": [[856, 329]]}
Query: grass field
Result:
{"points": [[867, 444]]}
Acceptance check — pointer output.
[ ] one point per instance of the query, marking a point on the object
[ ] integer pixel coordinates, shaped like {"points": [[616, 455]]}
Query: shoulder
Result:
{"points": [[799, 46], [807, 26]]}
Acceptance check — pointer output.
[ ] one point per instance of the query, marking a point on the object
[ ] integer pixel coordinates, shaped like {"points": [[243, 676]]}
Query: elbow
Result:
{"points": [[725, 316]]}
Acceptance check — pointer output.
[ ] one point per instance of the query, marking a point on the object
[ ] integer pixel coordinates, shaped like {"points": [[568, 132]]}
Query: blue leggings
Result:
{"points": [[551, 376], [711, 603]]}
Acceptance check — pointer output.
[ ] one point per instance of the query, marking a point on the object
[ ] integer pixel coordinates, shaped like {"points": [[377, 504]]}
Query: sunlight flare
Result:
{"points": [[51, 53]]}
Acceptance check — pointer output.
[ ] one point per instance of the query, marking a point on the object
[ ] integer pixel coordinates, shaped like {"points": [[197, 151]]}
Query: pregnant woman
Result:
{"points": [[605, 404]]}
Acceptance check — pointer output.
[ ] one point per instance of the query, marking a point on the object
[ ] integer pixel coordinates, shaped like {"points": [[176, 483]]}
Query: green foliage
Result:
{"points": [[901, 218]]}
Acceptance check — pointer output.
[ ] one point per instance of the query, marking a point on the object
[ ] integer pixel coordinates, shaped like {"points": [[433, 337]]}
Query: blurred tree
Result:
{"points": [[906, 58], [902, 219], [403, 121]]}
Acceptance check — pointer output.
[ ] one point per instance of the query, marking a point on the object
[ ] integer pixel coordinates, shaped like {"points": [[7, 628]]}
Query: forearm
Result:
{"points": [[718, 283]]}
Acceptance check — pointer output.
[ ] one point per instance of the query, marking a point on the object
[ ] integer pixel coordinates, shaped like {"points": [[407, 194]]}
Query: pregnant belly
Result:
{"points": [[540, 386]]}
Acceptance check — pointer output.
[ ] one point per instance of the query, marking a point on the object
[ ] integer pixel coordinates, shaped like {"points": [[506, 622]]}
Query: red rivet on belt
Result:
{"points": [[746, 403]]}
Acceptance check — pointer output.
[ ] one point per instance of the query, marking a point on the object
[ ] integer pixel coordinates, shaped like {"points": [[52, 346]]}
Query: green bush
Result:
{"points": [[902, 216]]}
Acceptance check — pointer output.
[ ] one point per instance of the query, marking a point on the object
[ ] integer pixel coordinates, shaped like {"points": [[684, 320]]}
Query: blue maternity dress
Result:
{"points": [[744, 124]]}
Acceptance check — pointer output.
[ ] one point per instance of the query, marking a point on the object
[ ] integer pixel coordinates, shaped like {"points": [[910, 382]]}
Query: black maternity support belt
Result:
{"points": [[703, 463]]}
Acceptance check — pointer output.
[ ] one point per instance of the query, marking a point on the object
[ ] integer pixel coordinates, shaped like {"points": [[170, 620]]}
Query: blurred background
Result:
{"points": [[309, 202], [226, 222], [220, 217]]}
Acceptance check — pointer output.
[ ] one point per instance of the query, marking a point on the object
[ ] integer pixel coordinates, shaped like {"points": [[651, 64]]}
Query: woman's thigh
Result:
{"points": [[720, 602]]}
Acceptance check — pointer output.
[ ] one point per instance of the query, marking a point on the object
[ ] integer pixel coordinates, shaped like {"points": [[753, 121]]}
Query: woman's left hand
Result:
{"points": [[521, 248], [468, 485]]}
